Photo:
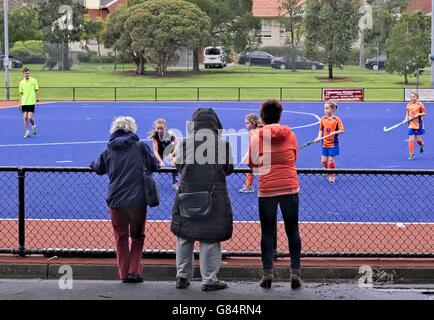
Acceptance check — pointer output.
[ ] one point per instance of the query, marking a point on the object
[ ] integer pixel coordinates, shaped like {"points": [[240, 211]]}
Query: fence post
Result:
{"points": [[21, 212], [239, 94], [155, 94], [281, 94], [198, 94], [73, 93], [115, 93]]}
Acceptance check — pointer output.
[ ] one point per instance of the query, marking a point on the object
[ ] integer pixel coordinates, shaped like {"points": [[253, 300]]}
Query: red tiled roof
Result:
{"points": [[424, 5], [266, 8]]}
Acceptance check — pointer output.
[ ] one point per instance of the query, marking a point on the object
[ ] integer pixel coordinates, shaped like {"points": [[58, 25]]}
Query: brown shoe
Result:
{"points": [[182, 283], [295, 279], [218, 285], [267, 279]]}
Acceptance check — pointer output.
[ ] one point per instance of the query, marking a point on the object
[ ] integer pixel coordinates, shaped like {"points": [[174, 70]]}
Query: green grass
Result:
{"points": [[96, 82]]}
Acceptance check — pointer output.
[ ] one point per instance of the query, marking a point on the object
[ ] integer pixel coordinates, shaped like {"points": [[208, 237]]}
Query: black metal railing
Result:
{"points": [[62, 211], [245, 93]]}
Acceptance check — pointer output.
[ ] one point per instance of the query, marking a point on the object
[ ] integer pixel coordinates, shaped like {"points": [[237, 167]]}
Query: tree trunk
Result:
{"points": [[141, 65], [196, 60], [330, 71], [116, 60], [99, 51], [405, 78], [136, 62]]}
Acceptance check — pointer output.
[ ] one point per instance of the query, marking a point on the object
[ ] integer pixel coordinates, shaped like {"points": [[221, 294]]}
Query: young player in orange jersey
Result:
{"points": [[252, 121], [329, 129], [413, 116]]}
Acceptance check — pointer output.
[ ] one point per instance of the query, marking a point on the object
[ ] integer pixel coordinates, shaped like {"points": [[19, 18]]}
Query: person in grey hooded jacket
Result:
{"points": [[123, 162], [204, 160]]}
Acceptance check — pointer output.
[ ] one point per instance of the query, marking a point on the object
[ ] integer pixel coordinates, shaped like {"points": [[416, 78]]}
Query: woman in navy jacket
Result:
{"points": [[123, 161]]}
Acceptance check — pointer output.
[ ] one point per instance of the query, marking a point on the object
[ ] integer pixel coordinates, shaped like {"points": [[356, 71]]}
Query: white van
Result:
{"points": [[215, 57]]}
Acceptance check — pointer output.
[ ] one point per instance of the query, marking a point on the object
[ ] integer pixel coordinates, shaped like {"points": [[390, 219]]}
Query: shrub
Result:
{"points": [[31, 51], [104, 59], [85, 56]]}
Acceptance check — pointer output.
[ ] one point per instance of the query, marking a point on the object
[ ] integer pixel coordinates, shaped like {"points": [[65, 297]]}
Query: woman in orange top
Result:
{"points": [[413, 116], [272, 156]]}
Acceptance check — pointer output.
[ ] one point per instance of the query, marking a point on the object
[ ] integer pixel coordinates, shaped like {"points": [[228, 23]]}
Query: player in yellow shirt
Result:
{"points": [[29, 96], [329, 129], [413, 116]]}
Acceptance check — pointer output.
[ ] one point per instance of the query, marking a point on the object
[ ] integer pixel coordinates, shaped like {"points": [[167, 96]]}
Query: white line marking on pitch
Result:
{"points": [[102, 142], [64, 161]]}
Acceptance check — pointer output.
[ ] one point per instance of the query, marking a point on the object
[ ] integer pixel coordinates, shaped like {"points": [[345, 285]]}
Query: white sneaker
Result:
{"points": [[27, 134], [34, 131]]}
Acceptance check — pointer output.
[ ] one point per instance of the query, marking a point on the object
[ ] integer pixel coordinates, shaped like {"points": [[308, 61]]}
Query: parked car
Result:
{"points": [[300, 63], [215, 57], [376, 63], [255, 58], [15, 63]]}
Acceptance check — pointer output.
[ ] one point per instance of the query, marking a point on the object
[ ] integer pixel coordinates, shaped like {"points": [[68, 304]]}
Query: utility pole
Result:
{"points": [[362, 48], [6, 43], [432, 44]]}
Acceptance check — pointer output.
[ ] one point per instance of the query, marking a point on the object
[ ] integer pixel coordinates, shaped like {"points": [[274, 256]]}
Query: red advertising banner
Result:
{"points": [[343, 94]]}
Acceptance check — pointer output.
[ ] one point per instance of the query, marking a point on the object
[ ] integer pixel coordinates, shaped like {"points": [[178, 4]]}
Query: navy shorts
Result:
{"points": [[28, 108], [330, 152]]}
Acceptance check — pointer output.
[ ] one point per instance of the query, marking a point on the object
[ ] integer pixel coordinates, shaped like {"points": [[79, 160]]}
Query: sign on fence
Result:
{"points": [[343, 94], [424, 94]]}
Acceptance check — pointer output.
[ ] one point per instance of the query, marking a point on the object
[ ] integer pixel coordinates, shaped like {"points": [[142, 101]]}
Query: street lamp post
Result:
{"points": [[6, 43]]}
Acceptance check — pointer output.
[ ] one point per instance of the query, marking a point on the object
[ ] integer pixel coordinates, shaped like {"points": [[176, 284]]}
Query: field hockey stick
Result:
{"points": [[387, 129], [315, 141]]}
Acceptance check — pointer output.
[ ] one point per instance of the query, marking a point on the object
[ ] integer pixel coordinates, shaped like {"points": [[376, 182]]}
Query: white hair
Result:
{"points": [[128, 124]]}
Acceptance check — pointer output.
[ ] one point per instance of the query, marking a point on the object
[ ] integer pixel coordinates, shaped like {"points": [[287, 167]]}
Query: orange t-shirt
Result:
{"points": [[413, 109], [328, 125]]}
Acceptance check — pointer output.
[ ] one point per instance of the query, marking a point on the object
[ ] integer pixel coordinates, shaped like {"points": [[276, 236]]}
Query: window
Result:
{"points": [[212, 51], [282, 31], [266, 29]]}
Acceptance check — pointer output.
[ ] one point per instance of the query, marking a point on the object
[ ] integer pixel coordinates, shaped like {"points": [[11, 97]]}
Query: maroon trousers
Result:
{"points": [[129, 222]]}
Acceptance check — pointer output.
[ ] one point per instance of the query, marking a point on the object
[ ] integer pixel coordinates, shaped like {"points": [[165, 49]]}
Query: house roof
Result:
{"points": [[266, 8], [424, 5]]}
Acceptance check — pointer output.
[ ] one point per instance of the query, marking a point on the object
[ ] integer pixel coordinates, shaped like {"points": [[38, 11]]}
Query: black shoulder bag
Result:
{"points": [[196, 205], [152, 194]]}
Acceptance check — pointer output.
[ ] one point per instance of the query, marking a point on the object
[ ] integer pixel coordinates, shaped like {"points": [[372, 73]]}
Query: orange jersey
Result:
{"points": [[328, 125], [413, 109]]}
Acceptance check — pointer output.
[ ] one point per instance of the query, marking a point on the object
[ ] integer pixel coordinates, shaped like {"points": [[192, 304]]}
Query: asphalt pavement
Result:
{"points": [[16, 289]]}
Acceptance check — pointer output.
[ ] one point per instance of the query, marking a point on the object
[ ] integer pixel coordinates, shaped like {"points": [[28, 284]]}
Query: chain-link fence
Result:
{"points": [[62, 211]]}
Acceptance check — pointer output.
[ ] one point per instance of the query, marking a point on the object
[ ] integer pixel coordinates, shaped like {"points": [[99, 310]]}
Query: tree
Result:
{"points": [[232, 25], [93, 29], [331, 28], [59, 28], [23, 25], [160, 27], [291, 18], [385, 17], [409, 44]]}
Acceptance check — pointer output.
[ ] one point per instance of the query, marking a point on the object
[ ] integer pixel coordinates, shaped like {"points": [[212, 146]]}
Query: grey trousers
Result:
{"points": [[210, 256]]}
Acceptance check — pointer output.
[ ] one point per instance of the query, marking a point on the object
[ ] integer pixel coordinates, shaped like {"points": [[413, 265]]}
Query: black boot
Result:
{"points": [[267, 279]]}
